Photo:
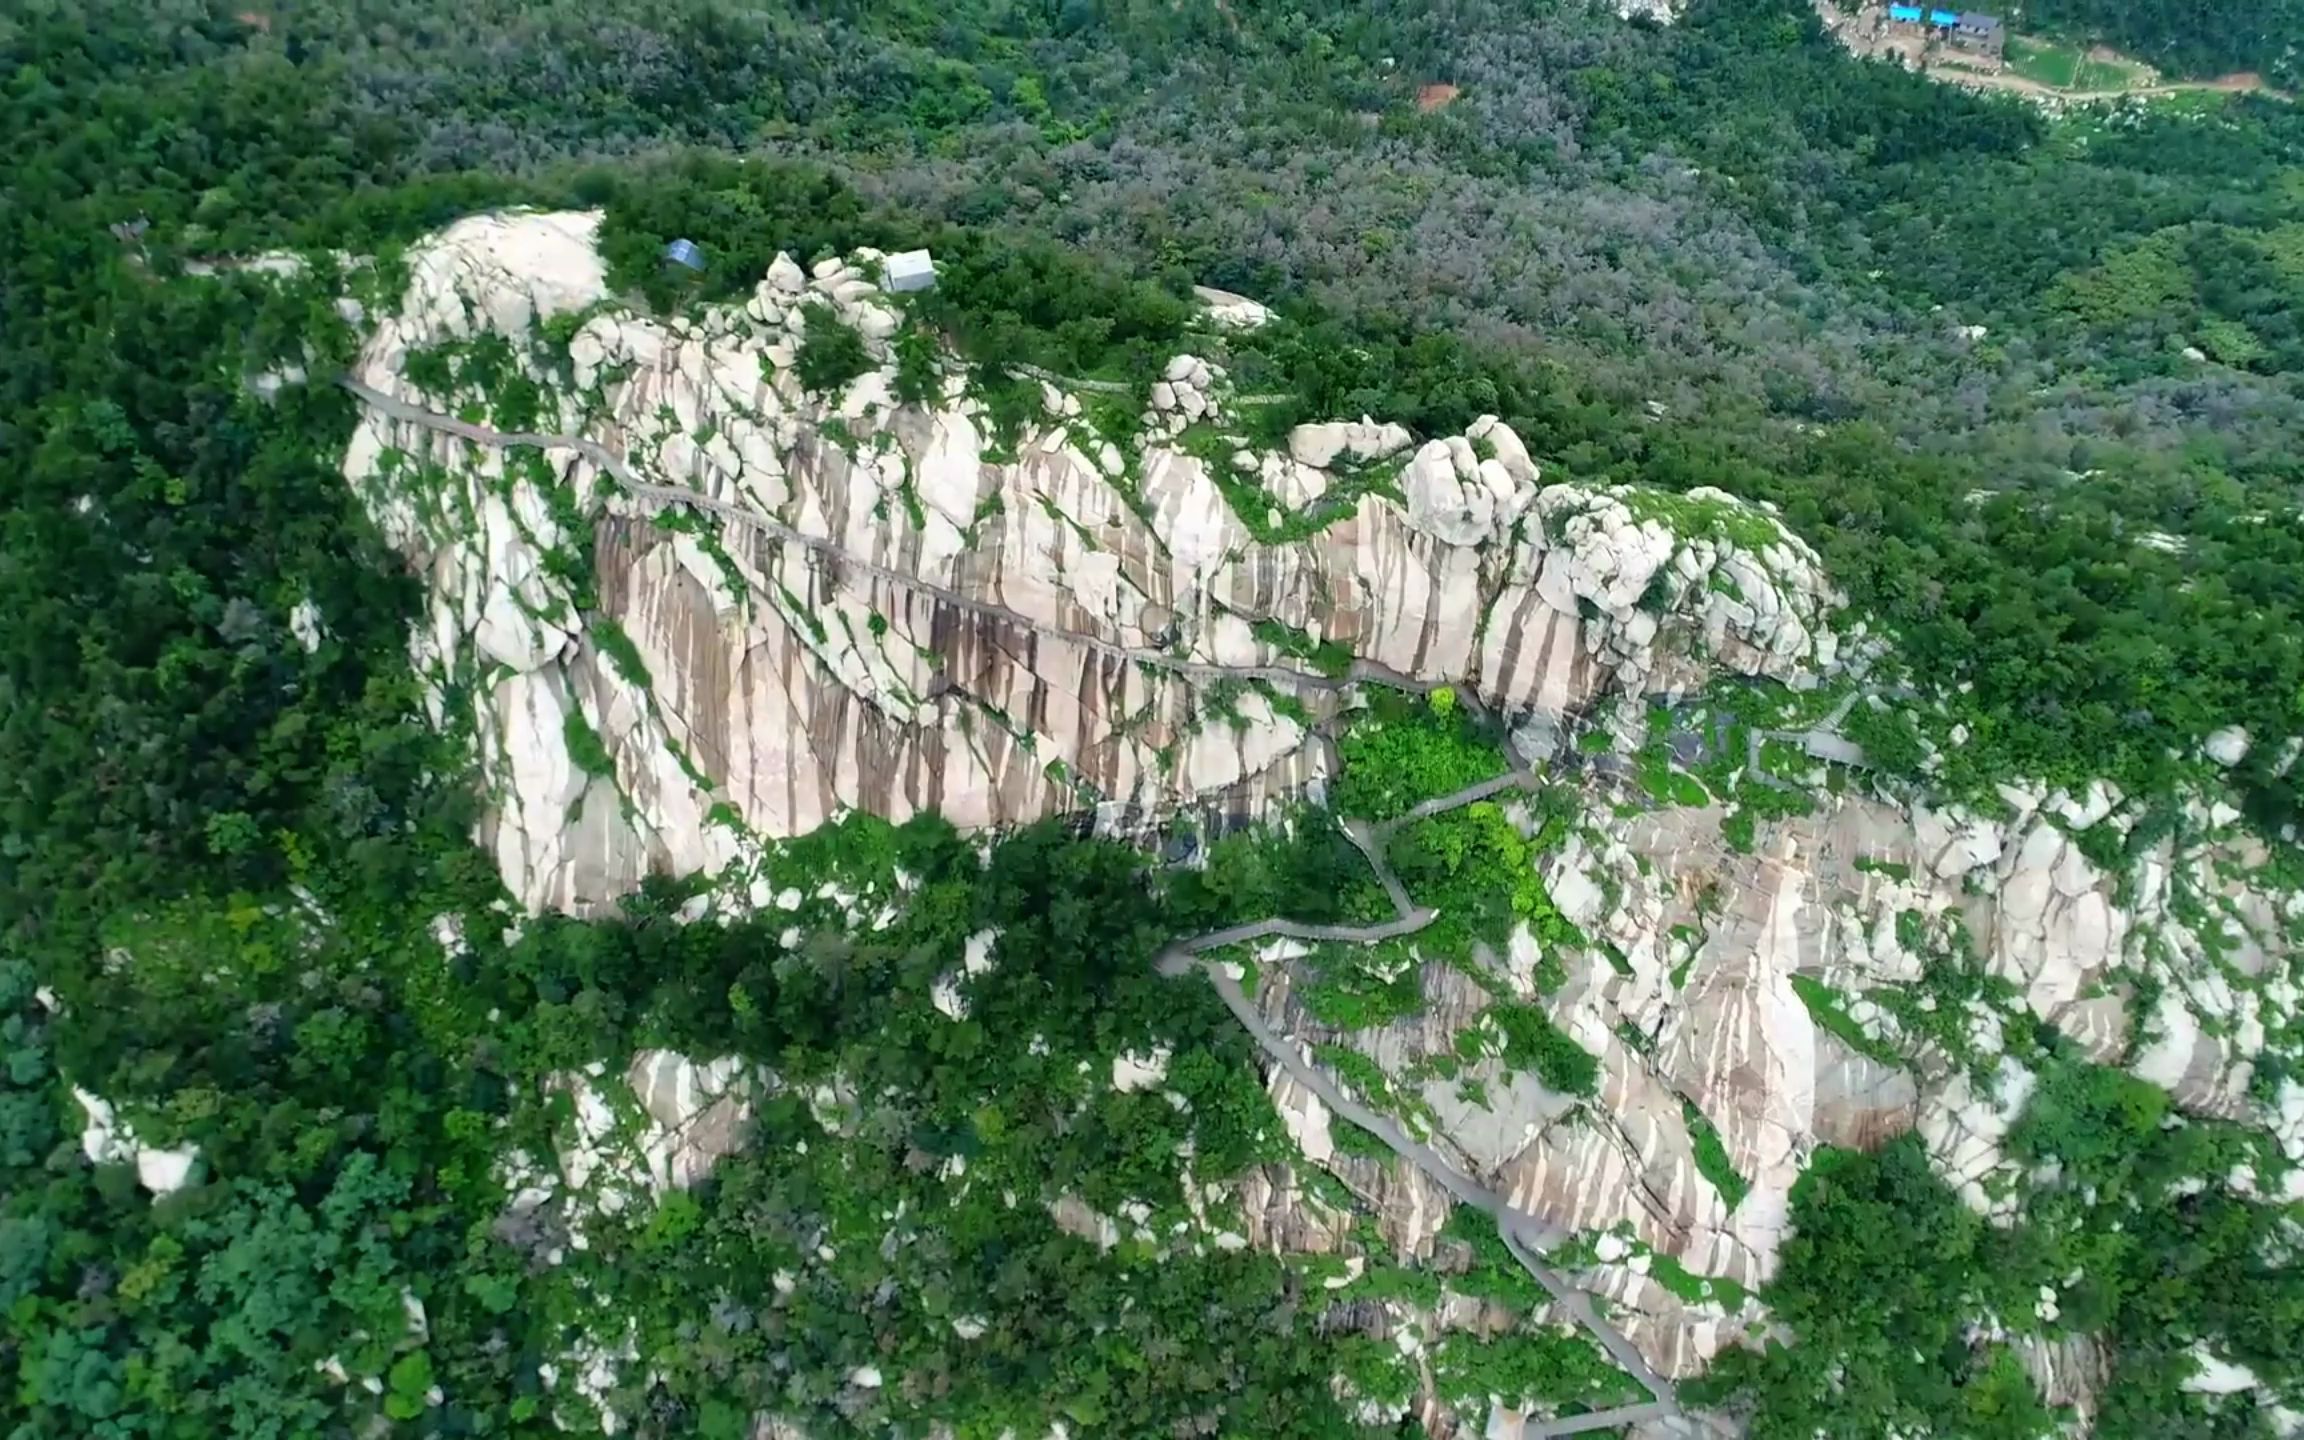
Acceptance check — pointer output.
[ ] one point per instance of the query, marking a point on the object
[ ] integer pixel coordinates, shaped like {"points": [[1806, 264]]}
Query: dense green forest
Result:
{"points": [[1976, 356]]}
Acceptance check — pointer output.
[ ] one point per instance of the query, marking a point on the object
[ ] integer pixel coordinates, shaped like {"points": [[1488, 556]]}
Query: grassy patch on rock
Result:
{"points": [[1404, 750], [1712, 1160]]}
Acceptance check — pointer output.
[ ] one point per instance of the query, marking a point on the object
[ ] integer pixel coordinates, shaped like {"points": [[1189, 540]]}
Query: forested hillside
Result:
{"points": [[1727, 220], [2033, 389]]}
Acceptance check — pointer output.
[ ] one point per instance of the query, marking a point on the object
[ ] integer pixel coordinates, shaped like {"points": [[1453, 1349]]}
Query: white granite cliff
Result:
{"points": [[799, 603], [2178, 969], [716, 609]]}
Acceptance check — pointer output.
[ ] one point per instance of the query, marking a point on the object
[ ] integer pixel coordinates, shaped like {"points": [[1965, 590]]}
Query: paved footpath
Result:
{"points": [[1526, 1236]]}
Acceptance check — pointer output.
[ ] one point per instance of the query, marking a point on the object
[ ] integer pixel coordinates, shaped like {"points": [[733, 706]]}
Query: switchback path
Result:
{"points": [[1527, 1236]]}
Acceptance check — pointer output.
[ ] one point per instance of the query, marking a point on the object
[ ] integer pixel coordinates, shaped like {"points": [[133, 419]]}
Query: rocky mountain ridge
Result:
{"points": [[846, 600], [689, 606]]}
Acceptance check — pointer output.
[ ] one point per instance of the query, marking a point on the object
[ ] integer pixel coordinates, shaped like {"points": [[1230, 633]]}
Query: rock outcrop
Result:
{"points": [[687, 605], [1228, 311], [106, 1140], [1687, 996], [662, 1125], [727, 608]]}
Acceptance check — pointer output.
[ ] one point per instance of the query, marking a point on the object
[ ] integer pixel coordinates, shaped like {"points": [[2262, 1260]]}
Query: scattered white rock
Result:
{"points": [[1228, 311], [1132, 1071], [2216, 1376], [944, 994], [2228, 746], [107, 1141], [164, 1172], [304, 624], [1361, 441], [785, 276]]}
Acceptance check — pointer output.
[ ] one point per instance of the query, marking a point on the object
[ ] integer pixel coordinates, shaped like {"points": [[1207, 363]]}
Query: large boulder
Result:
{"points": [[1227, 311], [1457, 495], [2228, 746], [1322, 445]]}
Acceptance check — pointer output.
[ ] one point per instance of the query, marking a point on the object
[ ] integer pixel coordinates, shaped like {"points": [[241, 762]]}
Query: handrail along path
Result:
{"points": [[1527, 1236]]}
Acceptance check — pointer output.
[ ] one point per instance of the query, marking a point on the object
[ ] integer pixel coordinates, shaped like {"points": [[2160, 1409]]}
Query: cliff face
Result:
{"points": [[1792, 997], [688, 605], [768, 605]]}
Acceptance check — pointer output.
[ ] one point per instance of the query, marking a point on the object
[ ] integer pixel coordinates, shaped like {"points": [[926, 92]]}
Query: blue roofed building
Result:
{"points": [[684, 252], [1975, 35]]}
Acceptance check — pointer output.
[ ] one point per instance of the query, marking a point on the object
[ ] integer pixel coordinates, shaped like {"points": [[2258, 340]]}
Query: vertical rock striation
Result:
{"points": [[715, 606]]}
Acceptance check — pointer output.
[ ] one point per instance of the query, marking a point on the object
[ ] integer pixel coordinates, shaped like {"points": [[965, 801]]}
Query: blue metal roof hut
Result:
{"points": [[1944, 19], [684, 252], [1906, 14]]}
